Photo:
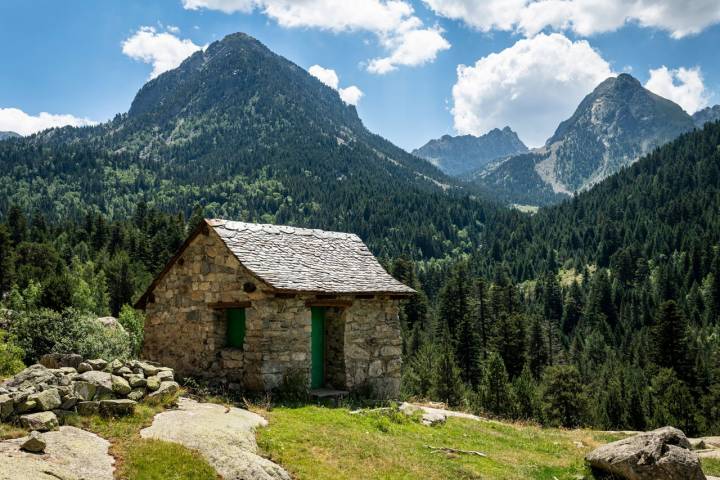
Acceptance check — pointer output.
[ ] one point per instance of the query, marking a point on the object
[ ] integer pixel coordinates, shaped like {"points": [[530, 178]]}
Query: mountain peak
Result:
{"points": [[466, 153]]}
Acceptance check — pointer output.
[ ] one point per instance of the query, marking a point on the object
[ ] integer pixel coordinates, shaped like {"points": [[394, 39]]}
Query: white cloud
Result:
{"points": [[163, 50], [584, 17], [530, 86], [325, 75], [683, 86], [393, 22], [350, 95], [227, 6], [15, 120], [411, 48]]}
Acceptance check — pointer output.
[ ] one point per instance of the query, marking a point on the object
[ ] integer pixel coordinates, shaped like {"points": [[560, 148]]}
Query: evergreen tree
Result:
{"points": [[495, 389], [525, 393], [564, 401], [537, 350], [447, 385], [669, 347]]}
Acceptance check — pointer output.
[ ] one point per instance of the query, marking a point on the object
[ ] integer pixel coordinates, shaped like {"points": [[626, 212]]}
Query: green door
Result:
{"points": [[235, 327], [317, 344]]}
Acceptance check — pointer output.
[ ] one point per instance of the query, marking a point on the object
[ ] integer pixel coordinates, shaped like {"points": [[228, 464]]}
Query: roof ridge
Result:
{"points": [[272, 228]]}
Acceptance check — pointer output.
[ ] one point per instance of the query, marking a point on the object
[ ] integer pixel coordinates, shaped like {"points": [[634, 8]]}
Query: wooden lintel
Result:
{"points": [[226, 305], [320, 302], [285, 295]]}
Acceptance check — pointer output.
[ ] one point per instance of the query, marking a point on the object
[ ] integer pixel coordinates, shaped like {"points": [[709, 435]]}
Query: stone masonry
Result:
{"points": [[186, 326]]}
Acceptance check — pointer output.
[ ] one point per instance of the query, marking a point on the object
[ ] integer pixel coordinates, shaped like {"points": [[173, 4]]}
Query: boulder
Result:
{"points": [[88, 408], [124, 371], [97, 364], [152, 383], [120, 385], [148, 370], [7, 406], [42, 422], [84, 367], [34, 443], [69, 402], [136, 394], [114, 408], [114, 366], [32, 375], [26, 405], [47, 399], [164, 375], [136, 380], [165, 389], [83, 390], [59, 360], [101, 380], [662, 454]]}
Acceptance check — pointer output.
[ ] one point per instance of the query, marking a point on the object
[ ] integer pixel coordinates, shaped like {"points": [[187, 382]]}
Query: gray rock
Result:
{"points": [[124, 371], [7, 406], [59, 360], [27, 405], [69, 402], [148, 370], [42, 421], [34, 443], [164, 375], [114, 366], [70, 454], [153, 383], [136, 394], [101, 380], [32, 375], [120, 385], [136, 380], [120, 407], [165, 389], [225, 437], [97, 364], [84, 390], [88, 408], [47, 399], [662, 454], [84, 367]]}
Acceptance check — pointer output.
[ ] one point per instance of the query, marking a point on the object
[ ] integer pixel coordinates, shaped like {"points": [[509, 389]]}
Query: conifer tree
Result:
{"points": [[525, 393], [537, 350], [447, 385], [669, 347], [495, 389]]}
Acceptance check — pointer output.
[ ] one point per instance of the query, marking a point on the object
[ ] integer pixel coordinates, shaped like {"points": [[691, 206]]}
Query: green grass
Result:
{"points": [[711, 466], [139, 459], [157, 460], [324, 443]]}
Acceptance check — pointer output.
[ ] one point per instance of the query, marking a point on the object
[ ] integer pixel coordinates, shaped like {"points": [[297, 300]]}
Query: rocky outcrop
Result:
{"points": [[662, 454], [111, 388], [69, 454], [224, 436], [35, 443]]}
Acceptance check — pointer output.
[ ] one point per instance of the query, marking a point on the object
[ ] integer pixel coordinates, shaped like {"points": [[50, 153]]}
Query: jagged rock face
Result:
{"points": [[467, 153], [614, 126], [706, 115]]}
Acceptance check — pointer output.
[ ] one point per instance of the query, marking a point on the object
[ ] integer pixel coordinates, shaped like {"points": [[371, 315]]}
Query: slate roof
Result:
{"points": [[305, 260]]}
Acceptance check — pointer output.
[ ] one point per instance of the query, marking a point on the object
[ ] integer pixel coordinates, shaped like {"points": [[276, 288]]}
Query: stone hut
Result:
{"points": [[251, 304]]}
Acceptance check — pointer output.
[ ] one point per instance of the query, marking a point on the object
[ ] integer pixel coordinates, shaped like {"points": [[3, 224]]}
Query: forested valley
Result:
{"points": [[602, 311]]}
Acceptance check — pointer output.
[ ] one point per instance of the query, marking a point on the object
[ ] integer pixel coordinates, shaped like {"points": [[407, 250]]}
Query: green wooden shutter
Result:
{"points": [[317, 344], [235, 327]]}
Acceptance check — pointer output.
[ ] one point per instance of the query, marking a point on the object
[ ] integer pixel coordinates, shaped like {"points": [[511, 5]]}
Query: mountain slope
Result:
{"points": [[611, 128], [252, 136], [706, 115], [6, 135], [466, 153]]}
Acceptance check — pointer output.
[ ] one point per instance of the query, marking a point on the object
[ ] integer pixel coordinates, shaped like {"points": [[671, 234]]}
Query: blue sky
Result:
{"points": [[67, 58]]}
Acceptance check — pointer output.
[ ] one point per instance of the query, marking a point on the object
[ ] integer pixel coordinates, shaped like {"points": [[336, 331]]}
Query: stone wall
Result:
{"points": [[183, 331], [373, 345]]}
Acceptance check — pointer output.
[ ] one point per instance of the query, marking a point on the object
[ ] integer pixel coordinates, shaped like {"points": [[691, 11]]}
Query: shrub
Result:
{"points": [[43, 331], [133, 322], [10, 356]]}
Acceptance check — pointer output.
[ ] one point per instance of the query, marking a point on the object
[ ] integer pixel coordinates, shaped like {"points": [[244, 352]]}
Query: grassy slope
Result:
{"points": [[321, 443]]}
